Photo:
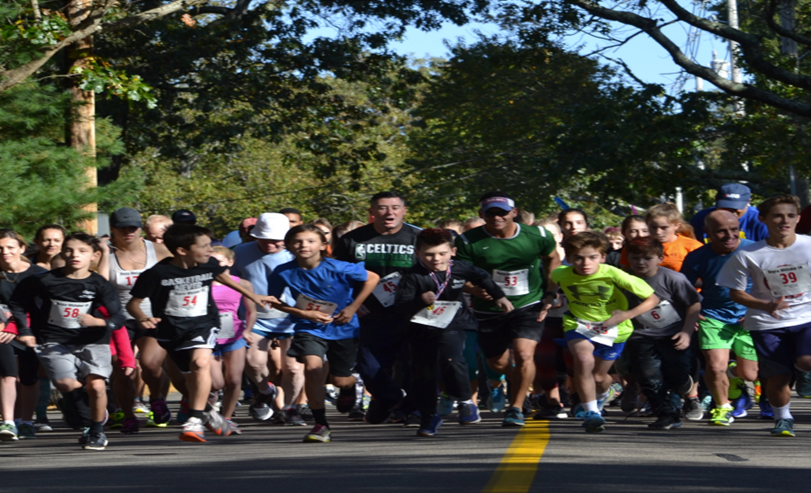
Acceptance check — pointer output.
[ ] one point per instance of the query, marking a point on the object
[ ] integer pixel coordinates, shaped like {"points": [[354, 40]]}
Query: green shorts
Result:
{"points": [[714, 334]]}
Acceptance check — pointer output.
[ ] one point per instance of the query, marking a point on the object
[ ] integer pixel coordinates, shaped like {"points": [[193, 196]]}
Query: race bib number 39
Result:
{"points": [[188, 303], [513, 283], [304, 302], [788, 280], [386, 289], [438, 315], [66, 314], [660, 317], [597, 332]]}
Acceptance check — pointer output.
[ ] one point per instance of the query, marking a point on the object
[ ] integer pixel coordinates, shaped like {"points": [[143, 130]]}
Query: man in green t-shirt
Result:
{"points": [[512, 254]]}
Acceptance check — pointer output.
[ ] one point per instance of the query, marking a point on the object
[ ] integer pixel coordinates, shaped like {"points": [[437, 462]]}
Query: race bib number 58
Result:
{"points": [[66, 314]]}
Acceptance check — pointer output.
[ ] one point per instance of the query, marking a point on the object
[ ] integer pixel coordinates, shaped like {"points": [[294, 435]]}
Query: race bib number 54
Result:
{"points": [[788, 280], [188, 303]]}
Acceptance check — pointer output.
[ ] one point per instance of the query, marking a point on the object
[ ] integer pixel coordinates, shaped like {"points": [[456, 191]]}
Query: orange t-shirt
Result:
{"points": [[675, 251]]}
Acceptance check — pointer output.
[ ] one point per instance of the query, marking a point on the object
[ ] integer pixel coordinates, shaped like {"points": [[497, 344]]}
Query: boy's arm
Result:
{"points": [[619, 316], [134, 309], [250, 312], [347, 313], [690, 320], [20, 305], [741, 297], [481, 278], [225, 278], [103, 267], [550, 263], [111, 303], [408, 297]]}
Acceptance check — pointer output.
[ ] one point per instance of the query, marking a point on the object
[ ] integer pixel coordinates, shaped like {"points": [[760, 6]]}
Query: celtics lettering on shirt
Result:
{"points": [[385, 254]]}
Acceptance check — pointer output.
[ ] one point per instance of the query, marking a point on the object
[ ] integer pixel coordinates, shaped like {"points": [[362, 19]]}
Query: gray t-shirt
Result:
{"points": [[675, 294]]}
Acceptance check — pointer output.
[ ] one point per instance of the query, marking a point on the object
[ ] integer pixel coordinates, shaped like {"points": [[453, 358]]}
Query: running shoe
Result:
{"points": [[377, 413], [429, 426], [161, 414], [234, 428], [666, 422], [468, 413], [722, 416], [445, 405], [365, 401], [766, 411], [305, 412], [514, 417], [278, 418], [803, 384], [150, 422], [526, 407], [593, 422], [602, 402], [783, 428], [346, 400], [43, 425], [117, 419], [216, 423], [8, 432], [579, 412], [292, 418], [193, 431], [692, 409], [413, 420], [741, 405], [139, 407], [548, 412], [96, 441], [26, 431], [356, 414], [629, 400], [319, 433], [215, 401], [260, 412], [183, 414], [85, 436], [130, 426], [706, 403], [496, 399]]}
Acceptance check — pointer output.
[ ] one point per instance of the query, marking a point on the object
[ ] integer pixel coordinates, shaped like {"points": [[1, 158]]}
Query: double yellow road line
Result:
{"points": [[517, 469]]}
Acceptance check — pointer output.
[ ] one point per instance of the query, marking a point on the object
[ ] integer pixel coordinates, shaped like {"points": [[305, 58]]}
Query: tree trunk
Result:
{"points": [[81, 131]]}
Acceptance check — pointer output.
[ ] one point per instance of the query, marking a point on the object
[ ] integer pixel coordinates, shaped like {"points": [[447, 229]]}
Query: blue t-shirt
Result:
{"points": [[331, 281], [252, 264], [705, 264], [751, 228]]}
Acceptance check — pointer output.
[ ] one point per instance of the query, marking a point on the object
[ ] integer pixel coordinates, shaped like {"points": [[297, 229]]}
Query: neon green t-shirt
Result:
{"points": [[593, 298]]}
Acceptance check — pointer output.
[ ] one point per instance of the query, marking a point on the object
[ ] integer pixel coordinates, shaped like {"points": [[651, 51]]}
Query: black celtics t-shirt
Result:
{"points": [[181, 298], [388, 256]]}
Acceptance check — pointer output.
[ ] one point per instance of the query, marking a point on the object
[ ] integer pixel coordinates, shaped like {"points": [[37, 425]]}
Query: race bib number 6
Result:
{"points": [[66, 314], [660, 317], [788, 280]]}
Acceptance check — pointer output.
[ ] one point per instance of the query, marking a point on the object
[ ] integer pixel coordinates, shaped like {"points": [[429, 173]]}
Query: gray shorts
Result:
{"points": [[77, 362]]}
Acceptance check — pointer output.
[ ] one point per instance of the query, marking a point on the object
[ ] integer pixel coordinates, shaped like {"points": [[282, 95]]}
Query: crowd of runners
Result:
{"points": [[390, 323]]}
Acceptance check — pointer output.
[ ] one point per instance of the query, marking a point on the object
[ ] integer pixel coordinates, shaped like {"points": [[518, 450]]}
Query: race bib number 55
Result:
{"points": [[597, 332]]}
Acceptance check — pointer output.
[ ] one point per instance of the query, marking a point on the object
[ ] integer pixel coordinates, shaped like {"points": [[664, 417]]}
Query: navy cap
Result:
{"points": [[733, 196], [125, 217], [503, 203], [184, 216]]}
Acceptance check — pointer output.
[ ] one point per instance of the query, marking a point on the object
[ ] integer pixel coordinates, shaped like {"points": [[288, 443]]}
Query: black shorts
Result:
{"points": [[8, 361], [497, 330], [341, 354], [135, 330], [180, 349]]}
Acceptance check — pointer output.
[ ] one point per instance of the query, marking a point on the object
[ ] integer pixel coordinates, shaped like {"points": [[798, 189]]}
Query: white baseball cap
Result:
{"points": [[271, 226]]}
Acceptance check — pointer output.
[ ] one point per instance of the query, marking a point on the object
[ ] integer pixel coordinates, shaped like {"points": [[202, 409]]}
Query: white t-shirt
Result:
{"points": [[773, 270]]}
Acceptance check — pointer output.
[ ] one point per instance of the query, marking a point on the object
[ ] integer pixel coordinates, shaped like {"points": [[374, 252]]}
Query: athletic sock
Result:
{"points": [[9, 422], [196, 413], [782, 412], [320, 417], [97, 427], [591, 406]]}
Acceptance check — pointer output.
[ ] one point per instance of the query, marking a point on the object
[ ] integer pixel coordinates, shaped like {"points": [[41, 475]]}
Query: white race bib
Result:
{"points": [[266, 312], [438, 315], [5, 310], [187, 303], [386, 289], [227, 329], [597, 332], [304, 302], [513, 283], [66, 314], [660, 317], [788, 280], [125, 279]]}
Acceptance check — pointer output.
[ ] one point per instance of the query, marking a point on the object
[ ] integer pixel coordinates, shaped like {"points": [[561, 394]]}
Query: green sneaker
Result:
{"points": [[721, 416], [117, 419], [783, 428], [26, 431], [150, 422], [8, 432]]}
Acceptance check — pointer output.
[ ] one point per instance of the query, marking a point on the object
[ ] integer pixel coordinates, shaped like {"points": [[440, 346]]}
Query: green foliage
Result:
{"points": [[46, 179]]}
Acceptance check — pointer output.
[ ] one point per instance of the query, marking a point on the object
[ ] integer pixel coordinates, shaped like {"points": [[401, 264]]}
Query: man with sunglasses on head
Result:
{"points": [[511, 253]]}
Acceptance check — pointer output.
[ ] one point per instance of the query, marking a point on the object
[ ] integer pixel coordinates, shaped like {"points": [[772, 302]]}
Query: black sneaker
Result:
{"points": [[692, 409], [305, 412], [356, 414], [292, 418], [346, 400], [377, 413], [96, 441], [413, 420], [666, 422]]}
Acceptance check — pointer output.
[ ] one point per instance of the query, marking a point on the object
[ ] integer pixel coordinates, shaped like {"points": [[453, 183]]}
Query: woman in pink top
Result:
{"points": [[231, 343]]}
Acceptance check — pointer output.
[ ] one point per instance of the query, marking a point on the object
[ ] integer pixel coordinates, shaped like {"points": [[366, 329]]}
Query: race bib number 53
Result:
{"points": [[788, 280], [513, 283]]}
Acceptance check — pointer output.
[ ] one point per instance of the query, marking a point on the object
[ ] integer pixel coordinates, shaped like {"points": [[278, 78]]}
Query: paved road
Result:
{"points": [[388, 458]]}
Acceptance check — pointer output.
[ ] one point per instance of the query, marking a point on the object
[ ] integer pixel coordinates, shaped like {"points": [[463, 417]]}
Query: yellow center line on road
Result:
{"points": [[517, 469]]}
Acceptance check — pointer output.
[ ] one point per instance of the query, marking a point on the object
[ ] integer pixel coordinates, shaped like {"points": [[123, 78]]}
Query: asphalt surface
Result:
{"points": [[389, 458]]}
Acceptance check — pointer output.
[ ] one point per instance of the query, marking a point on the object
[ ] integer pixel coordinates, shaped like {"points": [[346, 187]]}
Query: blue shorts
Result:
{"points": [[606, 353], [221, 349], [271, 335], [779, 349]]}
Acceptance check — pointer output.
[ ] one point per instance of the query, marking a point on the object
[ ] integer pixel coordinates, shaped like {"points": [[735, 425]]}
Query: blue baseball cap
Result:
{"points": [[503, 203], [733, 196]]}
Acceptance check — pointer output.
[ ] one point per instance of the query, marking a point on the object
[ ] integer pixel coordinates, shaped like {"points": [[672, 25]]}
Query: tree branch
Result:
{"points": [[771, 10], [650, 27]]}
